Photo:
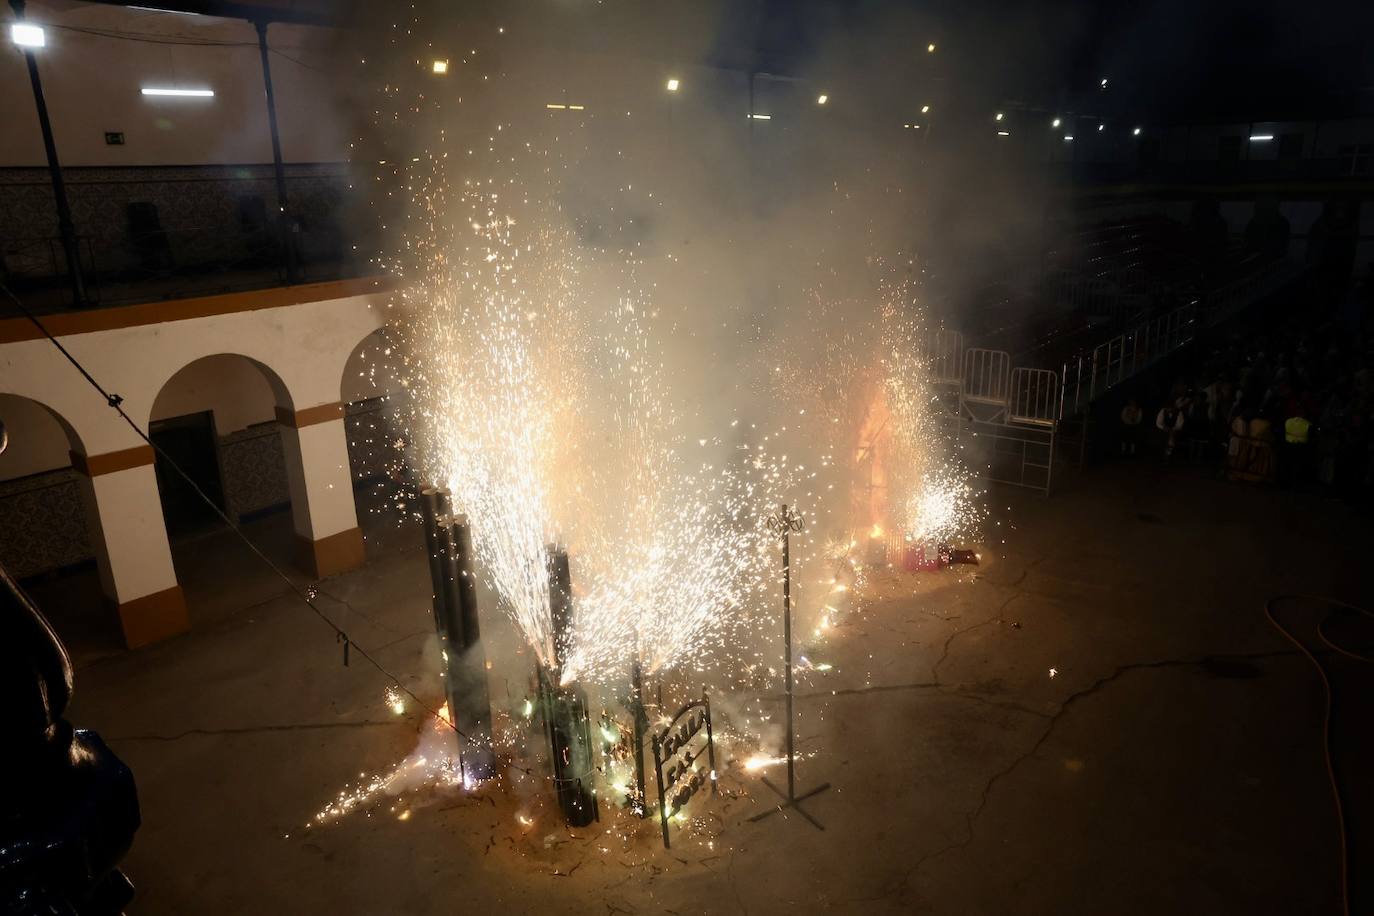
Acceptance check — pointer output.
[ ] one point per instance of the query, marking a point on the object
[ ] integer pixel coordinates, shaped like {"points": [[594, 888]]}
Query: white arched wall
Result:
{"points": [[302, 336], [237, 390], [368, 388], [369, 371], [45, 517], [38, 440]]}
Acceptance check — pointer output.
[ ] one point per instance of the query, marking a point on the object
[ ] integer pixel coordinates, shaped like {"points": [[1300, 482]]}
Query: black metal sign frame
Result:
{"points": [[682, 779]]}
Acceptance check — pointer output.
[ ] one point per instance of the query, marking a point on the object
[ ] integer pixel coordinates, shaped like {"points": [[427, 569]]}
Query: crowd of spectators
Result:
{"points": [[1286, 399]]}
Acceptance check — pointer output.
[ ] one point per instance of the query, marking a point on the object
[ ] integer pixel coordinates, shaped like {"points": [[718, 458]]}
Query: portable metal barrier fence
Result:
{"points": [[1034, 396], [1091, 374], [1020, 414], [1017, 448], [942, 361], [1013, 453], [943, 358], [985, 393]]}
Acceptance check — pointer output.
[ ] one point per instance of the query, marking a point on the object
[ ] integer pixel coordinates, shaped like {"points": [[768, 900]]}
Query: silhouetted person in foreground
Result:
{"points": [[70, 810]]}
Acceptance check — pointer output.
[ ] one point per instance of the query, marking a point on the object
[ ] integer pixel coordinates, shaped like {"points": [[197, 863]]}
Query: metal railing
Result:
{"points": [[1118, 358], [943, 357], [1011, 420], [179, 231], [986, 374], [1034, 396], [1092, 373], [174, 262]]}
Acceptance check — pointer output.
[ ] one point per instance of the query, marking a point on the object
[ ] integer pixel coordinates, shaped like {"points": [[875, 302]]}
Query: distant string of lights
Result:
{"points": [[674, 85], [33, 36]]}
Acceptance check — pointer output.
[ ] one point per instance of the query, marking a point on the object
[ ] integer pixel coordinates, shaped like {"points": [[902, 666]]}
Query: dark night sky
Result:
{"points": [[1164, 58]]}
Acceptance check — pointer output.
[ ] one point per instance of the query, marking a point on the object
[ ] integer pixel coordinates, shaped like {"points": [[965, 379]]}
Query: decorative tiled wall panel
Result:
{"points": [[42, 523]]}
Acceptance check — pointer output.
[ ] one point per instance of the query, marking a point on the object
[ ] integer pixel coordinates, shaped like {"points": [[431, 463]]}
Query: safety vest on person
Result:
{"points": [[1295, 430]]}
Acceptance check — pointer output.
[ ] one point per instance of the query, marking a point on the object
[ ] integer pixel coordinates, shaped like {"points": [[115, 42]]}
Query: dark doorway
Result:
{"points": [[255, 230], [189, 441], [147, 237]]}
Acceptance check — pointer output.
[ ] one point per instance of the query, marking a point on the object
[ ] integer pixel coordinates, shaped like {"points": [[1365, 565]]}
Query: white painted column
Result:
{"points": [[120, 493], [315, 445]]}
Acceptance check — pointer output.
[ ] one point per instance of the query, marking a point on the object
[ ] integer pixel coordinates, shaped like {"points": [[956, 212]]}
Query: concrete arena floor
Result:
{"points": [[1171, 764]]}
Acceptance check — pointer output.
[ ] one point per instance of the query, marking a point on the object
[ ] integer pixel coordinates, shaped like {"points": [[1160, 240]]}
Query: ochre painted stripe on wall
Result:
{"points": [[130, 316], [331, 555], [108, 463], [321, 413], [153, 617]]}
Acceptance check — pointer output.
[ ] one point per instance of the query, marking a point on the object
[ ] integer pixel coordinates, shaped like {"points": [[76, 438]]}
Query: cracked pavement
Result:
{"points": [[1171, 763]]}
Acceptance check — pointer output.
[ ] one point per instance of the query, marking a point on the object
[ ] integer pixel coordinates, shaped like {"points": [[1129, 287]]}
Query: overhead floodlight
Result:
{"points": [[1104, 83], [1135, 132], [1054, 123], [930, 48], [183, 93], [1261, 138], [999, 116], [822, 99], [673, 84], [27, 35], [440, 66], [925, 109], [1102, 127]]}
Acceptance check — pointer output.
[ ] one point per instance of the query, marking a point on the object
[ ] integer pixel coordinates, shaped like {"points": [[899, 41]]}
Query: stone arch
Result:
{"points": [[368, 388], [25, 419], [49, 520], [236, 371], [372, 367], [217, 417]]}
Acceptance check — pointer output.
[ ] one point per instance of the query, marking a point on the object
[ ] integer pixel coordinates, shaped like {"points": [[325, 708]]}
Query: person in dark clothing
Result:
{"points": [[1132, 429]]}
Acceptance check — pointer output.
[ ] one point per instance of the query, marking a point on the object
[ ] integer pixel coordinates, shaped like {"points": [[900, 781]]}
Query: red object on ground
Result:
{"points": [[920, 558]]}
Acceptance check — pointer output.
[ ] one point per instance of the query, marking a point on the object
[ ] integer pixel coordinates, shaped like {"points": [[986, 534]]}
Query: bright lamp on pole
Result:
{"points": [[27, 35]]}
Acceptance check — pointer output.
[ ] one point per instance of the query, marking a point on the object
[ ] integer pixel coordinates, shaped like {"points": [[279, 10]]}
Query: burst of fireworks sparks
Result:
{"points": [[535, 390], [547, 418], [762, 761], [434, 763], [943, 506]]}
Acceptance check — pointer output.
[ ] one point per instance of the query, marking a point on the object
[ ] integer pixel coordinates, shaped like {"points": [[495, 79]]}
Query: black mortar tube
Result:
{"points": [[567, 725], [455, 604], [469, 670]]}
